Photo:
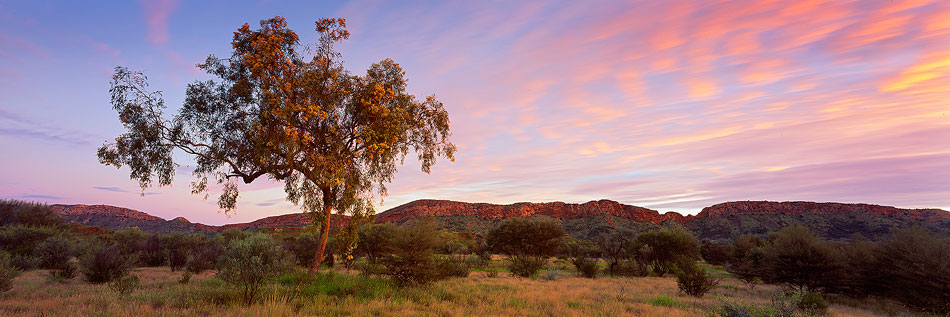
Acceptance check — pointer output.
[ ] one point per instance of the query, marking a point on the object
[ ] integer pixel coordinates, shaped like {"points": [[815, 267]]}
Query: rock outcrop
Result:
{"points": [[448, 208], [735, 208]]}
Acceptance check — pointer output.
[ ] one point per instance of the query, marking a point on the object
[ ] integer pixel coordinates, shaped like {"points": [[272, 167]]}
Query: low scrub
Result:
{"points": [[585, 266], [8, 272], [409, 259], [692, 279], [105, 262], [250, 263], [526, 266]]}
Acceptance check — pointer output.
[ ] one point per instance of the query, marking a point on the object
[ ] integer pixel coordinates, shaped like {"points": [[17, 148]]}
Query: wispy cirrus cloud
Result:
{"points": [[110, 189], [157, 13]]}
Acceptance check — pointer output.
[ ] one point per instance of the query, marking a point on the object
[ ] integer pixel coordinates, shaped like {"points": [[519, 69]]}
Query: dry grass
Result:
{"points": [[161, 294]]}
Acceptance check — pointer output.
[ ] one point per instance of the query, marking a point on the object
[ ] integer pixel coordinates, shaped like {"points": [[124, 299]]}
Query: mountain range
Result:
{"points": [[586, 220]]}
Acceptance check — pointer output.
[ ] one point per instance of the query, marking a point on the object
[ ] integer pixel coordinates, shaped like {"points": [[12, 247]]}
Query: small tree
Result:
{"points": [[7, 272], [16, 212], [527, 242], [252, 262], [616, 246], [104, 262], [796, 257], [913, 266], [664, 246], [374, 240], [409, 259], [582, 254], [692, 279], [333, 138], [716, 253]]}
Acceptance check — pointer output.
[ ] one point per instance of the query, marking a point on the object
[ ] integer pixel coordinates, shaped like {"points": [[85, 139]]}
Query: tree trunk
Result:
{"points": [[324, 235]]}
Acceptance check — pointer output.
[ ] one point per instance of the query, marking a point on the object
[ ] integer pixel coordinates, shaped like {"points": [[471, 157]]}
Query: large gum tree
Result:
{"points": [[286, 112]]}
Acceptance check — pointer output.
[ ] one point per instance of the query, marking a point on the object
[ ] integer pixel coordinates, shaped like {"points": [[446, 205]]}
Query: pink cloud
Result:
{"points": [[157, 13]]}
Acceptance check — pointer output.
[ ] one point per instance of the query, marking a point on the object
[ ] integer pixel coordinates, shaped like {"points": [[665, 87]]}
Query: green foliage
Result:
{"points": [[526, 266], [303, 247], [8, 272], [22, 240], [409, 258], [631, 268], [178, 245], [913, 267], [812, 303], [665, 301], [527, 242], [64, 272], [715, 253], [492, 272], [185, 277], [203, 256], [104, 262], [550, 275], [153, 252], [374, 239], [526, 237], [454, 266], [617, 246], [692, 279], [16, 212], [252, 262], [25, 262], [794, 256], [585, 266], [660, 248], [124, 286], [55, 252]]}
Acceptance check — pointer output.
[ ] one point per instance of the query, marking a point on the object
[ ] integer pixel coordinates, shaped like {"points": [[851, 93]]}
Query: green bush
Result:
{"points": [[586, 267], [692, 279], [25, 262], [661, 248], [617, 246], [153, 252], [177, 246], [716, 253], [631, 268], [526, 266], [22, 240], [796, 257], [16, 212], [104, 262], [304, 246], [913, 267], [454, 266], [124, 286], [54, 252], [409, 258], [203, 256], [66, 271], [250, 263], [812, 304], [8, 272]]}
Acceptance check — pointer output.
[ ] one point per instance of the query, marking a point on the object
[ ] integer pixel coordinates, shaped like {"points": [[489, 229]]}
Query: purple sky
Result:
{"points": [[671, 105]]}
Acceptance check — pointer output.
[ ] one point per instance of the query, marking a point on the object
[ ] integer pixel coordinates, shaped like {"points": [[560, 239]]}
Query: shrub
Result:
{"points": [[22, 240], [251, 262], [692, 279], [739, 308], [454, 267], [492, 273], [185, 277], [124, 286], [526, 266], [304, 246], [204, 256], [104, 262], [409, 260], [177, 246], [661, 248], [66, 271], [812, 304], [550, 275], [527, 242], [914, 268], [617, 246], [25, 262], [715, 253], [796, 257], [586, 267], [54, 252], [16, 212], [632, 268], [8, 272], [153, 252]]}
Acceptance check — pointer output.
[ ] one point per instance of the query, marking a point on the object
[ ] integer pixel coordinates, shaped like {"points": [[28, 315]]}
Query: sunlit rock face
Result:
{"points": [[447, 208]]}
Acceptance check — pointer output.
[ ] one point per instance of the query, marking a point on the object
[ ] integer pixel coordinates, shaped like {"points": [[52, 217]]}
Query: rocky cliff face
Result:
{"points": [[116, 218], [736, 208], [721, 221], [447, 208]]}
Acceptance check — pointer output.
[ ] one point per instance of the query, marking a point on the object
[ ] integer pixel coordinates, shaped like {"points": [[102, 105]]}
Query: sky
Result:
{"points": [[670, 105]]}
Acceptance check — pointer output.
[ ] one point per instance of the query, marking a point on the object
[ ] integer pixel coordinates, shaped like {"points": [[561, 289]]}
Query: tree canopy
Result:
{"points": [[334, 139]]}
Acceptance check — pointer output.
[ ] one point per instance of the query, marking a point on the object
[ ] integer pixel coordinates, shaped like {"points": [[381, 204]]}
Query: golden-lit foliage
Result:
{"points": [[333, 138]]}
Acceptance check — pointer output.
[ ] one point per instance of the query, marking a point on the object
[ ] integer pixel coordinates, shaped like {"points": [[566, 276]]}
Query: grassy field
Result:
{"points": [[341, 292]]}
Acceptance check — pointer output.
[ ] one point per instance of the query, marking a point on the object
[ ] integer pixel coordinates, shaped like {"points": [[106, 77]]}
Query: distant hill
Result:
{"points": [[586, 220]]}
